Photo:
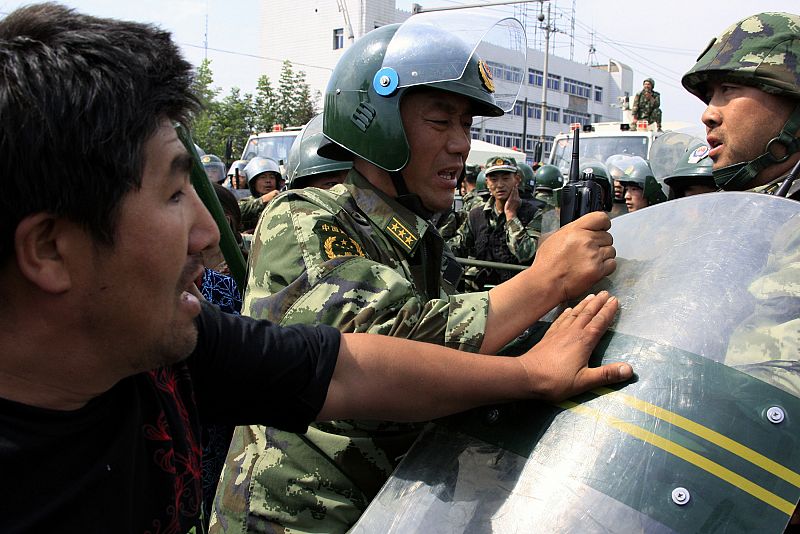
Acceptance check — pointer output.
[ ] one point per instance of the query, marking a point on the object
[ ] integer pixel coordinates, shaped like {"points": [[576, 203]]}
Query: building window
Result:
{"points": [[338, 38], [576, 116], [598, 94], [553, 82], [552, 114], [574, 87], [518, 109], [598, 118], [501, 71], [535, 77]]}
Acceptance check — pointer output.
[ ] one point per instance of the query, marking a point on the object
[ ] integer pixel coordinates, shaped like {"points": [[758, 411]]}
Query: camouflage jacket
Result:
{"points": [[644, 107], [521, 240], [773, 329], [353, 258], [471, 200], [251, 208]]}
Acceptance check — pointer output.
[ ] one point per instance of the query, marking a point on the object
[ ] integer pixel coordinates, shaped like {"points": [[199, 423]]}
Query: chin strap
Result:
{"points": [[407, 199], [736, 177]]}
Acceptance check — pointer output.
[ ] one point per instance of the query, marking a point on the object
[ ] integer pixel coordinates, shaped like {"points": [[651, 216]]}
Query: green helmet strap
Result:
{"points": [[736, 177]]}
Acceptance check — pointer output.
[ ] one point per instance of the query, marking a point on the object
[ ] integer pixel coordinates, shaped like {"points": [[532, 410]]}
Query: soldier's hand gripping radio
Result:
{"points": [[583, 193]]}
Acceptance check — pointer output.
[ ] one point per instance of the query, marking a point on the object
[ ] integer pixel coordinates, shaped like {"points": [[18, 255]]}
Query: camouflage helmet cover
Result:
{"points": [[548, 177], [303, 160], [652, 82], [362, 100], [762, 51]]}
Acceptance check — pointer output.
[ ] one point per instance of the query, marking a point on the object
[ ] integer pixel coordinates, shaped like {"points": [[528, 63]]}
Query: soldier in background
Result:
{"points": [[364, 257], [647, 104], [548, 179], [637, 178], [215, 169], [692, 175], [505, 229], [265, 181], [306, 168], [236, 180]]}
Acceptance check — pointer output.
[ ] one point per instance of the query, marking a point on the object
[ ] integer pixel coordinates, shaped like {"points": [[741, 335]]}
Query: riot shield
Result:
{"points": [[704, 439]]}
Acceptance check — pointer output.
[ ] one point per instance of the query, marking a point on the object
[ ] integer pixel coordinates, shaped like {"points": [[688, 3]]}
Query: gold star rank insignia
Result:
{"points": [[334, 243], [402, 234]]}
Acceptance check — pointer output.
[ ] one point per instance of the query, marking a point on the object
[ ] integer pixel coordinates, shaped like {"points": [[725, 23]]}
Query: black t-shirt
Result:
{"points": [[129, 461]]}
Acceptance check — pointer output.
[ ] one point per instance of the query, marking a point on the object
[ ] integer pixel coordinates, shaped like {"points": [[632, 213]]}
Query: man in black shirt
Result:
{"points": [[109, 363]]}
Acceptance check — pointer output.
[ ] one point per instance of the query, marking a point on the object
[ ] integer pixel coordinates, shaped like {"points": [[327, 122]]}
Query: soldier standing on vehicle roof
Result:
{"points": [[647, 104], [364, 257]]}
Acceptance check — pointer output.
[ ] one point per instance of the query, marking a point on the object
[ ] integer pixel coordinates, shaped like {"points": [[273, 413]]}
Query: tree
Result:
{"points": [[294, 106], [203, 123], [265, 103]]}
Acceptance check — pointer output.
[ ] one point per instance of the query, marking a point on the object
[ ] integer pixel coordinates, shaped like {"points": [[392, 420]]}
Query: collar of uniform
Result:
{"points": [[400, 224]]}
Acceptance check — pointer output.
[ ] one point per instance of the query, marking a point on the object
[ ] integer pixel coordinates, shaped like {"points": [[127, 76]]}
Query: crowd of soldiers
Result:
{"points": [[325, 410]]}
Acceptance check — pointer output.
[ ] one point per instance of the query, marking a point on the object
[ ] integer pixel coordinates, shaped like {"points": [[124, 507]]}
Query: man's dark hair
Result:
{"points": [[231, 208], [79, 98]]}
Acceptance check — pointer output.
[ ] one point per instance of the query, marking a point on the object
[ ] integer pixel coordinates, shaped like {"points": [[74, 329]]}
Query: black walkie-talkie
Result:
{"points": [[580, 195]]}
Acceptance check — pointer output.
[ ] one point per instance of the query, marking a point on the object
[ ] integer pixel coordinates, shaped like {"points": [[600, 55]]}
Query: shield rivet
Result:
{"points": [[680, 496], [385, 81], [775, 415]]}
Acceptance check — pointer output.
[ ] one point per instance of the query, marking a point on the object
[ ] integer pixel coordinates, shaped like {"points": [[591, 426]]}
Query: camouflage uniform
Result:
{"points": [[647, 106], [251, 209], [763, 51], [353, 258], [471, 200]]}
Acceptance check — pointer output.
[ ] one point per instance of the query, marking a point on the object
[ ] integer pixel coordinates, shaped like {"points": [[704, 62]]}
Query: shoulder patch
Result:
{"points": [[334, 243], [402, 234]]}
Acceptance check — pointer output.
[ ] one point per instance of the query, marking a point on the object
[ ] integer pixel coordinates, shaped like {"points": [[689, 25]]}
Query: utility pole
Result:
{"points": [[547, 30]]}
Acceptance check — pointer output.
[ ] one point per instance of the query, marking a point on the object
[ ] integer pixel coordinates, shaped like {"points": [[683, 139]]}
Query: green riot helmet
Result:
{"points": [[440, 50], [215, 169], [548, 178], [303, 161], [693, 169], [761, 51], [596, 171], [258, 166], [635, 170], [481, 189], [527, 182]]}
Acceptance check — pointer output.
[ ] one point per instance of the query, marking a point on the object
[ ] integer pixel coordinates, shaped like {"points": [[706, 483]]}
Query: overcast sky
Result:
{"points": [[658, 39]]}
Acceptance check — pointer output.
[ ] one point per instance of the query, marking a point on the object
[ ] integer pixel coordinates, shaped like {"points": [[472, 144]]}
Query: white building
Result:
{"points": [[313, 34]]}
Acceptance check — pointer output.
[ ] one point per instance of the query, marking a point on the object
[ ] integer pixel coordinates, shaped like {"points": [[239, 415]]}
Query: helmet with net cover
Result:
{"points": [[762, 51]]}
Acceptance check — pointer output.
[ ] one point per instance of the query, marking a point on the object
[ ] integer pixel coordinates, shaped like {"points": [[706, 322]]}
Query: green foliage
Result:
{"points": [[235, 116]]}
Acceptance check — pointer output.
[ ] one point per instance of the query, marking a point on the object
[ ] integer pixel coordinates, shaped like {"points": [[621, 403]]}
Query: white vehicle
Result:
{"points": [[603, 140], [274, 145]]}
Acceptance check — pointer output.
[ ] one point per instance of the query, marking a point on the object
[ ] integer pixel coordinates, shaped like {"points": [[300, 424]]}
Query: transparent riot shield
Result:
{"points": [[705, 439]]}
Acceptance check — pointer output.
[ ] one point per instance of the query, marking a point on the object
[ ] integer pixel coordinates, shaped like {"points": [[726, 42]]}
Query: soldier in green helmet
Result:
{"points": [[693, 174], [526, 180], [364, 257], [638, 181], [548, 178], [215, 169], [306, 168]]}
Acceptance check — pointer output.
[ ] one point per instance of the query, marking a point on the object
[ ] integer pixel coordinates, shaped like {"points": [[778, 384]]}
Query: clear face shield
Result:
{"points": [[704, 438], [668, 150], [438, 46]]}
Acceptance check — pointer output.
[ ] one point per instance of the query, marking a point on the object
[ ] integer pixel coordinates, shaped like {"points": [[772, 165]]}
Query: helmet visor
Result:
{"points": [[437, 47]]}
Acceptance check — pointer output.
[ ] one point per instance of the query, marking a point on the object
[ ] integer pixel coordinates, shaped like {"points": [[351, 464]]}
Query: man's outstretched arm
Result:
{"points": [[381, 377]]}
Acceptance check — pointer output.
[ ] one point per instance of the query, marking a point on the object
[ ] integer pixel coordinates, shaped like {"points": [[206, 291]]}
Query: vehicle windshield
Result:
{"points": [[274, 146], [598, 148]]}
